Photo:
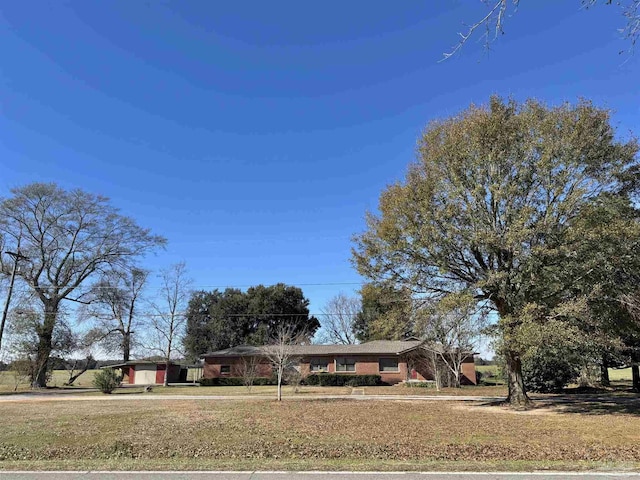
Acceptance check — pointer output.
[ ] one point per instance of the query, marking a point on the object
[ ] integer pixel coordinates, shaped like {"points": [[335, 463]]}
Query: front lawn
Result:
{"points": [[315, 434], [481, 391]]}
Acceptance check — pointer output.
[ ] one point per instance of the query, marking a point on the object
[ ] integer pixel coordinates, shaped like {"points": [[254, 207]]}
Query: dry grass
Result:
{"points": [[310, 434], [58, 378], [470, 390], [615, 374], [312, 390]]}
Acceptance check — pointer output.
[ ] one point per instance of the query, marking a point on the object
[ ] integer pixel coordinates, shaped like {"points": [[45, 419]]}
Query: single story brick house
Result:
{"points": [[146, 372], [394, 360]]}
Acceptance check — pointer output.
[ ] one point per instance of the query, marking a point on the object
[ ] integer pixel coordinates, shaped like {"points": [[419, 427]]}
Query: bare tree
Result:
{"points": [[249, 365], [20, 370], [492, 24], [340, 314], [114, 308], [451, 329], [77, 367], [169, 319], [426, 360], [67, 238], [281, 351]]}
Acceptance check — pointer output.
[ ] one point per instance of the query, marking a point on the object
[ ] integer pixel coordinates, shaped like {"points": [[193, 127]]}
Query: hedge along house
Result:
{"points": [[394, 360], [146, 372]]}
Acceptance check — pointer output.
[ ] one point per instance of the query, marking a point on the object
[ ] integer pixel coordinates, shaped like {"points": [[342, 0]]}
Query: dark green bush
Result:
{"points": [[106, 380], [235, 382], [549, 371], [338, 380]]}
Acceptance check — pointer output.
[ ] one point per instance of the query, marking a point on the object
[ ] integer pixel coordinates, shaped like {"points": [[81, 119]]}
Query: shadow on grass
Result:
{"points": [[600, 406], [620, 399]]}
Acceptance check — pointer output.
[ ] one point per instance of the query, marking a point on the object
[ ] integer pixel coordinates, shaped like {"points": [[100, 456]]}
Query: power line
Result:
{"points": [[200, 287], [231, 315]]}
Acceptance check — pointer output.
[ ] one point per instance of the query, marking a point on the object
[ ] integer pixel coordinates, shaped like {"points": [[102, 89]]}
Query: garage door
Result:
{"points": [[145, 375]]}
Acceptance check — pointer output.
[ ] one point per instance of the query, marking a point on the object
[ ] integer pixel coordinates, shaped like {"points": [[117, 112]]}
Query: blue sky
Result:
{"points": [[255, 135]]}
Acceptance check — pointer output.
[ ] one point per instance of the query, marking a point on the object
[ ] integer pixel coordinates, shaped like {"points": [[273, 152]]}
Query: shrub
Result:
{"points": [[337, 380], [235, 382], [106, 380], [423, 384], [549, 371]]}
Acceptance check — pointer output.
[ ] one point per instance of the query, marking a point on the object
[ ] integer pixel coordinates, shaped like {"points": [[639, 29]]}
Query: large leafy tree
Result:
{"points": [[488, 207], [221, 319], [68, 237], [606, 271], [215, 320], [386, 313]]}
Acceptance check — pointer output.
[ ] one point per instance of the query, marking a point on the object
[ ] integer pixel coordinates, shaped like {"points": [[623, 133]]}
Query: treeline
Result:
{"points": [[231, 317]]}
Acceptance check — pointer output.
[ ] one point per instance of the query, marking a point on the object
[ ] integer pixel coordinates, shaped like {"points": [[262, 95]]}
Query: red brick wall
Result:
{"points": [[212, 366], [365, 365], [126, 378], [468, 372]]}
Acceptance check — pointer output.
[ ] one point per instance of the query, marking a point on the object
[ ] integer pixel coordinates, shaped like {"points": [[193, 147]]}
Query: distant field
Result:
{"points": [[58, 378], [620, 373], [614, 373]]}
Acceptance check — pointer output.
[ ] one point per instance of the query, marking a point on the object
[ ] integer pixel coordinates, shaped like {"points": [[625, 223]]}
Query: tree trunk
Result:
{"points": [[45, 336], [126, 346], [604, 372], [517, 393], [73, 377], [517, 396], [167, 361], [279, 384], [635, 373], [165, 382]]}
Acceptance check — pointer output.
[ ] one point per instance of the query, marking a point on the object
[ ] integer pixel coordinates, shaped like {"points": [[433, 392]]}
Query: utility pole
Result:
{"points": [[16, 258]]}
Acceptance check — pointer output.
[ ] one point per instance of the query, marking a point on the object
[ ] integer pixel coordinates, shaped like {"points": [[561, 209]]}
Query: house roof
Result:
{"points": [[376, 347], [136, 362]]}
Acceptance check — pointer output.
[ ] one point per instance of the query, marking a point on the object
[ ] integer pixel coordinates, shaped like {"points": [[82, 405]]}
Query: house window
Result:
{"points": [[225, 369], [319, 365], [345, 365], [388, 365]]}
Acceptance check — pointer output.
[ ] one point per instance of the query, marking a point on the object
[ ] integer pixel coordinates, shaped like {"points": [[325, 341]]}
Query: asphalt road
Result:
{"points": [[312, 476]]}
